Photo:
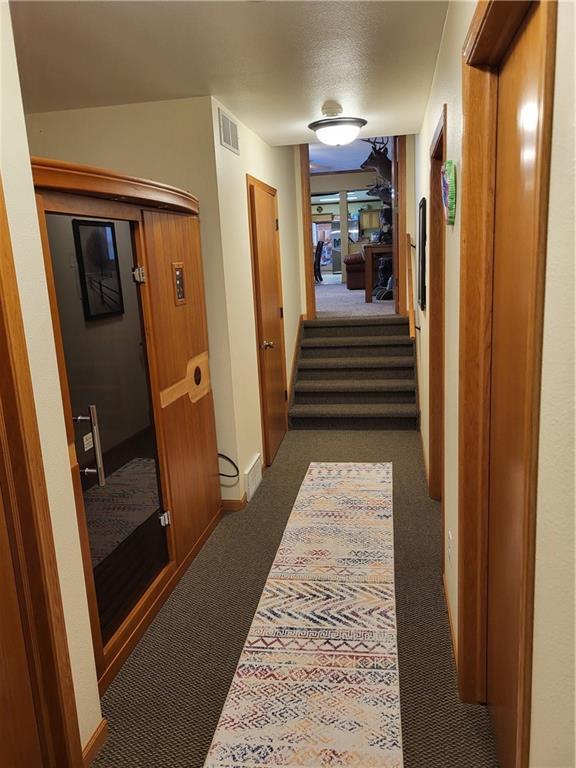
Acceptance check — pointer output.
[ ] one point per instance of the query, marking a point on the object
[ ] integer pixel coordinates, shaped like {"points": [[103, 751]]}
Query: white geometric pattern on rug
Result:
{"points": [[317, 681]]}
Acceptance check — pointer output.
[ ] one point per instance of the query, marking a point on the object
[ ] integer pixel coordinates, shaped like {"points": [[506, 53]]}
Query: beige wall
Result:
{"points": [[552, 735], [274, 166], [552, 742], [24, 233], [446, 89], [336, 182], [172, 142]]}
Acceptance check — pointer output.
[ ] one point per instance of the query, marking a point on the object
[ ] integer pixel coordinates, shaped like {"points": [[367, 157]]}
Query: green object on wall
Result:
{"points": [[448, 181]]}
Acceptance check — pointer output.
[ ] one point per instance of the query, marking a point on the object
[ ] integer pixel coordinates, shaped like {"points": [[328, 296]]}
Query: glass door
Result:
{"points": [[107, 372]]}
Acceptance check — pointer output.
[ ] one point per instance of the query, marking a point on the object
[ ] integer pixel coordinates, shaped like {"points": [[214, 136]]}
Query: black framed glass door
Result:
{"points": [[104, 349]]}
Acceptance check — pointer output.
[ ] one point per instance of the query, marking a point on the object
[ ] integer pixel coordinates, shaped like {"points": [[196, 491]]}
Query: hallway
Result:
{"points": [[164, 705], [335, 300]]}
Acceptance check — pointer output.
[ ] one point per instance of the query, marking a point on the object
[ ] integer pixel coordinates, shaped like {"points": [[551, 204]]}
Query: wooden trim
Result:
{"points": [[254, 182], [534, 377], [480, 89], [305, 196], [436, 312], [234, 505], [82, 205], [139, 619], [30, 529], [477, 253], [411, 318], [95, 744], [493, 26], [400, 234], [97, 182], [188, 385]]}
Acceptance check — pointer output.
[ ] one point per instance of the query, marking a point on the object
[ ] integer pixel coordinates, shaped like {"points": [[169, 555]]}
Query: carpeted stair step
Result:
{"points": [[354, 391], [359, 326], [355, 416], [377, 367], [358, 346]]}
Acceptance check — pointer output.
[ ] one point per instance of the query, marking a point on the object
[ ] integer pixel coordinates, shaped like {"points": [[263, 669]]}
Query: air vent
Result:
{"points": [[228, 132]]}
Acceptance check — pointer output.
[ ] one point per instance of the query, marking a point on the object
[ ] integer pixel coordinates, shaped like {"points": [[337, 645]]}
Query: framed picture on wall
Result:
{"points": [[422, 254], [98, 268]]}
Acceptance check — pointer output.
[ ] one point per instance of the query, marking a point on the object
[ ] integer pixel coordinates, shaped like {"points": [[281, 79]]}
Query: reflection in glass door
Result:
{"points": [[104, 350]]}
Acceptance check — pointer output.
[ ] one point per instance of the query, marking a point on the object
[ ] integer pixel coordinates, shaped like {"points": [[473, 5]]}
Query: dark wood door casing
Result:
{"points": [[508, 75]]}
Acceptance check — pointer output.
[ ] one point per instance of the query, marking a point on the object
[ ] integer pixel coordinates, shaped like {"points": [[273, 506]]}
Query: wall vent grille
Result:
{"points": [[228, 132]]}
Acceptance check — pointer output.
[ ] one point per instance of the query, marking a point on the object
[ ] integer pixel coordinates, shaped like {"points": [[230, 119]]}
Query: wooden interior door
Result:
{"points": [[263, 212], [519, 251], [20, 743], [176, 313]]}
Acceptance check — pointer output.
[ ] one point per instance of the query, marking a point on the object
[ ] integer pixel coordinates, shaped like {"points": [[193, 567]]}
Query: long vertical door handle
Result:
{"points": [[97, 445]]}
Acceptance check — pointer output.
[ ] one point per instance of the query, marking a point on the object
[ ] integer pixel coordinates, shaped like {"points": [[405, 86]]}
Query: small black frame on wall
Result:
{"points": [[422, 254], [98, 268]]}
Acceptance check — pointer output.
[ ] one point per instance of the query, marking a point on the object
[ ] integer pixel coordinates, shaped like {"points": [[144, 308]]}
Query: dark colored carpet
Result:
{"points": [[164, 705]]}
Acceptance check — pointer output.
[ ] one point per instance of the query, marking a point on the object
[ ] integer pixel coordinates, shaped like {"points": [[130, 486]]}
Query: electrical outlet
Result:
{"points": [[449, 548]]}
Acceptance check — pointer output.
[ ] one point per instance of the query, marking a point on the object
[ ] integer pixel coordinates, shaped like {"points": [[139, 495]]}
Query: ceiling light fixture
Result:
{"points": [[335, 130]]}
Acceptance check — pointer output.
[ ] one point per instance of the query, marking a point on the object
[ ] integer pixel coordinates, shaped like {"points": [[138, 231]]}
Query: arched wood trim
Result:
{"points": [[98, 182]]}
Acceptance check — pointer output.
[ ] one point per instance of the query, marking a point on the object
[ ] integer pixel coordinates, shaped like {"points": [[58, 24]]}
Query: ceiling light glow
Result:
{"points": [[334, 130]]}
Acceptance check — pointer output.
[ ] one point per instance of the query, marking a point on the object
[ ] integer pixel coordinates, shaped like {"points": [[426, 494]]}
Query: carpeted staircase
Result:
{"points": [[355, 373]]}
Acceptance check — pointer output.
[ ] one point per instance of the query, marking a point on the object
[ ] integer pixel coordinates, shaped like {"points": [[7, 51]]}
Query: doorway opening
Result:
{"points": [[351, 214], [114, 437]]}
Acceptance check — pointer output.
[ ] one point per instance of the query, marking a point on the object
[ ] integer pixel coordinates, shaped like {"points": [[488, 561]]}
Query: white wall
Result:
{"points": [[27, 251], [171, 142], [321, 183], [446, 89], [275, 167], [552, 737]]}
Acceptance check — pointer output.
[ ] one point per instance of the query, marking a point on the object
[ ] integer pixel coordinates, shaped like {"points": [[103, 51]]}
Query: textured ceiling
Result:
{"points": [[271, 63]]}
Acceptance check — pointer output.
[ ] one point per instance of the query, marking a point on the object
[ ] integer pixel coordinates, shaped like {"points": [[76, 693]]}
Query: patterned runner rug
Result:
{"points": [[317, 681]]}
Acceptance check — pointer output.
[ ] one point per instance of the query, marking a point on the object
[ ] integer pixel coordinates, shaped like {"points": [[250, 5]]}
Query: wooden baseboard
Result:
{"points": [[234, 505], [146, 617], [95, 744], [452, 635]]}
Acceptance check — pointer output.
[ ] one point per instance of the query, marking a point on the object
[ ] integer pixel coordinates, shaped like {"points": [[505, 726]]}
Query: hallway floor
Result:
{"points": [[335, 300], [164, 705]]}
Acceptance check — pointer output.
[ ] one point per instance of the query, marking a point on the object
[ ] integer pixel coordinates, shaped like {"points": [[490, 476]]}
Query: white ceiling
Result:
{"points": [[272, 63]]}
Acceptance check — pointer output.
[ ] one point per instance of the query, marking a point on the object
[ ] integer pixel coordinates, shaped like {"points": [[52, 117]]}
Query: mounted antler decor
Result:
{"points": [[379, 161]]}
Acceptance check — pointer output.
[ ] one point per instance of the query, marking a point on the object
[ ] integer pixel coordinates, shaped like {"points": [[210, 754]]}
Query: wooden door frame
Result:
{"points": [[399, 251], [70, 189], [252, 182], [436, 313], [30, 530], [306, 205], [490, 35]]}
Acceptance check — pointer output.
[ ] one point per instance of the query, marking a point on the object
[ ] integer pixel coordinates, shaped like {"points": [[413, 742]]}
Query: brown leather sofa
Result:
{"points": [[354, 271]]}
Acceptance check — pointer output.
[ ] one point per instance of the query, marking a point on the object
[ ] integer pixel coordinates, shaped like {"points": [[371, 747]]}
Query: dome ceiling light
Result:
{"points": [[335, 130]]}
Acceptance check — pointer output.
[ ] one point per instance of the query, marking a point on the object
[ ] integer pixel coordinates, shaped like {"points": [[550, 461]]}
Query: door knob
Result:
{"points": [[267, 344]]}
